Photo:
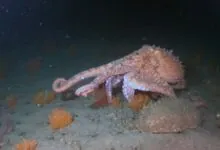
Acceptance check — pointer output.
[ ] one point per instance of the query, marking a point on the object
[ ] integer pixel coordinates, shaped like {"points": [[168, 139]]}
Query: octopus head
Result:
{"points": [[169, 67]]}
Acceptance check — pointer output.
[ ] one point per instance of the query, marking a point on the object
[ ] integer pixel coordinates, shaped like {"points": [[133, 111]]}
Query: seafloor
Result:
{"points": [[106, 128]]}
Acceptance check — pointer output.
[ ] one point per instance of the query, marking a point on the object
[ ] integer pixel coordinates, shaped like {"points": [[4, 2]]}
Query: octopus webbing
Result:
{"points": [[149, 68]]}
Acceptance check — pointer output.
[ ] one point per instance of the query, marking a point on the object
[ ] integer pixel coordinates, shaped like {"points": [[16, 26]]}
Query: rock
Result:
{"points": [[168, 115]]}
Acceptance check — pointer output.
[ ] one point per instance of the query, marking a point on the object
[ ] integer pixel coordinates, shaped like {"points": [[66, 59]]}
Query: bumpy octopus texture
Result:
{"points": [[149, 68]]}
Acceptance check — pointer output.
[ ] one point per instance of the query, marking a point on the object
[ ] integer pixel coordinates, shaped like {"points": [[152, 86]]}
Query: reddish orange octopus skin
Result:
{"points": [[149, 68]]}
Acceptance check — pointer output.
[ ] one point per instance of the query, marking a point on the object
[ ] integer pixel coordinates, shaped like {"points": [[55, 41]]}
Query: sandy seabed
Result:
{"points": [[106, 128]]}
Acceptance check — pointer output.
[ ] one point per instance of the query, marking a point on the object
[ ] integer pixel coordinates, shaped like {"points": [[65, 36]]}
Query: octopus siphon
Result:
{"points": [[150, 69]]}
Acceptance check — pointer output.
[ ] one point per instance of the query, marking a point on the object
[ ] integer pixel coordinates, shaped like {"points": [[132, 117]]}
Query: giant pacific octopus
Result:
{"points": [[149, 68]]}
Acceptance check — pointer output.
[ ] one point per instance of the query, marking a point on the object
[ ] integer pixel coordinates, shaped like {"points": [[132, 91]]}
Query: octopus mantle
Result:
{"points": [[149, 68]]}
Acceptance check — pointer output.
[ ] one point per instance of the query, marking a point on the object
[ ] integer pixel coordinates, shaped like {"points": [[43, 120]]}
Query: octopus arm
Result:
{"points": [[113, 68], [110, 83], [127, 89], [61, 84], [88, 88], [148, 82]]}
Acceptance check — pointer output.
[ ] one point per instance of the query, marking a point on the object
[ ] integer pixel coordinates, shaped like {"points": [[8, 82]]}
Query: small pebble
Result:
{"points": [[76, 145], [50, 137], [22, 134]]}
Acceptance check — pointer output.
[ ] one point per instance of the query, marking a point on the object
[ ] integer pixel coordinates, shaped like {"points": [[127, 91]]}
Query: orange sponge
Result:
{"points": [[116, 102], [26, 145], [59, 118], [44, 97], [139, 101], [12, 101]]}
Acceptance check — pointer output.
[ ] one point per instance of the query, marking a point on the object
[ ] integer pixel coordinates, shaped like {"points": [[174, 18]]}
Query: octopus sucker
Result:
{"points": [[149, 68]]}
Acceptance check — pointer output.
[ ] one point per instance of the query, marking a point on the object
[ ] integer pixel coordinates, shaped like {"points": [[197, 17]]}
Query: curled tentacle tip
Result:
{"points": [[57, 84]]}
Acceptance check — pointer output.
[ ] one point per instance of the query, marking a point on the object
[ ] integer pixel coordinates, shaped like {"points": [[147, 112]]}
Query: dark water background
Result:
{"points": [[69, 36]]}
